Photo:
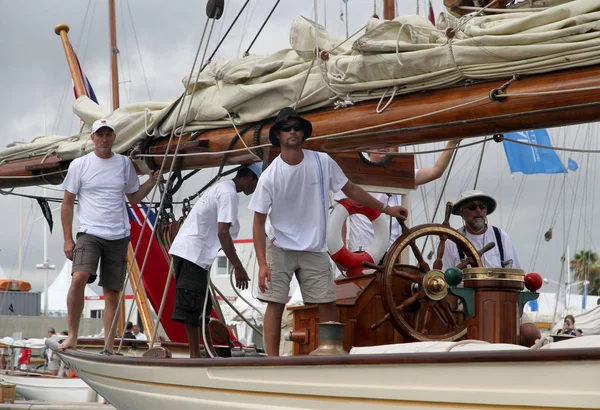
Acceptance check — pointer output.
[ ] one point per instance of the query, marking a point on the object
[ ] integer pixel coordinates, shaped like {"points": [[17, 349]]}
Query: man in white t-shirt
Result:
{"points": [[212, 224], [359, 232], [138, 335], [100, 180], [474, 207], [294, 192]]}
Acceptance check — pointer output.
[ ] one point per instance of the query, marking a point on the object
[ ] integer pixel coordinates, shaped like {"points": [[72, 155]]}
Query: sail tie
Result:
{"points": [[380, 110]]}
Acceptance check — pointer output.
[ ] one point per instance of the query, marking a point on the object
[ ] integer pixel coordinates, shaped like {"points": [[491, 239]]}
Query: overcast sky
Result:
{"points": [[37, 97]]}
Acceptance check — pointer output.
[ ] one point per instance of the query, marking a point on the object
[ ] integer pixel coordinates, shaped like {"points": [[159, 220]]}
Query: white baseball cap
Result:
{"points": [[256, 168], [102, 123]]}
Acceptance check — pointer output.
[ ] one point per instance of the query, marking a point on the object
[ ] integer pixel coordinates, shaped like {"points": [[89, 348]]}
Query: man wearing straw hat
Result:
{"points": [[474, 207]]}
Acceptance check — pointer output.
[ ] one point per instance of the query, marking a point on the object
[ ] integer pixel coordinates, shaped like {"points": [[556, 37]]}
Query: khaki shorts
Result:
{"points": [[313, 272], [111, 254]]}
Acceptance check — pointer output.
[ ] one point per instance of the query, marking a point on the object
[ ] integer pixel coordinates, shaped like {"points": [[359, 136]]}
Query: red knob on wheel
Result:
{"points": [[533, 281]]}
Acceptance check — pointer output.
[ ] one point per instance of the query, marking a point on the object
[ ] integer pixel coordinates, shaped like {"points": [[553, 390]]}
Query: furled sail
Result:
{"points": [[401, 56]]}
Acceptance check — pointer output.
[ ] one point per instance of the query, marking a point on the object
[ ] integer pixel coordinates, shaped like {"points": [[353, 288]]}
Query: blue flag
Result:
{"points": [[572, 165], [529, 159], [533, 305]]}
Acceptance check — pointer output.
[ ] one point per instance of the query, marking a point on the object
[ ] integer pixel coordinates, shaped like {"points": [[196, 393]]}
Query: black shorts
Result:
{"points": [[190, 292], [112, 255]]}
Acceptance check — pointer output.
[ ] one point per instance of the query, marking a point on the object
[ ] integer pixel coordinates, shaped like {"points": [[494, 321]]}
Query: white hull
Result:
{"points": [[456, 380], [50, 388]]}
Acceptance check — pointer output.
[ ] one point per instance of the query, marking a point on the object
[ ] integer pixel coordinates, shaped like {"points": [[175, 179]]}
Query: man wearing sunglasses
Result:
{"points": [[474, 207], [294, 192]]}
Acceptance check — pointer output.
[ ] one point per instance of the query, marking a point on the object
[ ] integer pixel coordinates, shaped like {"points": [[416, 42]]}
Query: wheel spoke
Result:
{"points": [[417, 296], [405, 275], [449, 313], [424, 266], [426, 317], [381, 321], [440, 313], [463, 264], [438, 263]]}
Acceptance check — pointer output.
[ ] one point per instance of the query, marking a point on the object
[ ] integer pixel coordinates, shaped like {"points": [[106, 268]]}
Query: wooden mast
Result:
{"points": [[62, 30], [140, 296], [389, 10], [114, 51], [114, 80]]}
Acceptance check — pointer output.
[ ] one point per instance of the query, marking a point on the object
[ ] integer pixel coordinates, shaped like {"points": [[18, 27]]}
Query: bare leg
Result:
{"points": [[272, 330], [192, 332], [327, 312], [75, 300], [111, 300]]}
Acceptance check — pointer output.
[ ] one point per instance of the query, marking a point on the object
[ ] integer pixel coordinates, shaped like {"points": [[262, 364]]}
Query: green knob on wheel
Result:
{"points": [[453, 276]]}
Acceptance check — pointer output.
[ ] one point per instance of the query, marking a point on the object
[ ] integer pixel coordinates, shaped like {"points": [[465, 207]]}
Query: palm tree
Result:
{"points": [[584, 266]]}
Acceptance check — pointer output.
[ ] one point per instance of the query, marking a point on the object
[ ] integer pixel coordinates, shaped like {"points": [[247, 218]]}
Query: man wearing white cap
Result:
{"points": [[100, 180], [212, 224], [474, 207]]}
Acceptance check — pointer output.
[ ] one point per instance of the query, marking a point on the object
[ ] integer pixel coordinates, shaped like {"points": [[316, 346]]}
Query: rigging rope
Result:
{"points": [[134, 261], [226, 34], [137, 43], [479, 166], [439, 201], [247, 52]]}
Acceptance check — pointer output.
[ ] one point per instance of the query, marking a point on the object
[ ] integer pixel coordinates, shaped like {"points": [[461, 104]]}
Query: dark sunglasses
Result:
{"points": [[288, 128], [473, 207]]}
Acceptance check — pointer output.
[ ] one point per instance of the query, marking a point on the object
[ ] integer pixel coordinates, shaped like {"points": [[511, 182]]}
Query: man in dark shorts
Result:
{"points": [[100, 180], [212, 224]]}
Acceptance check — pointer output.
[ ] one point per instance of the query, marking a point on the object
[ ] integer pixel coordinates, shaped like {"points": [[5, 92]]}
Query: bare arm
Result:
{"points": [[66, 218], [241, 277], [145, 188], [260, 247], [426, 175], [355, 192]]}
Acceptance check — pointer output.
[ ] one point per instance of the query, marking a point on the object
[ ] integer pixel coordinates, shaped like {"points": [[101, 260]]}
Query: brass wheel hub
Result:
{"points": [[434, 285]]}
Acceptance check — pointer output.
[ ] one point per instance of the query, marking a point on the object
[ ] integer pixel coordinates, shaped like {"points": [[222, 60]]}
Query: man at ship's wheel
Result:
{"points": [[294, 192]]}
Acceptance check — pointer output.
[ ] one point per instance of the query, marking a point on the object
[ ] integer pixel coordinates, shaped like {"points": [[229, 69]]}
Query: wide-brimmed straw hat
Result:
{"points": [[284, 115], [474, 195]]}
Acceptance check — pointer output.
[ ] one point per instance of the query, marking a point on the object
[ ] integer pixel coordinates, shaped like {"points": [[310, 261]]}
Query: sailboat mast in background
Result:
{"points": [[389, 10], [114, 51]]}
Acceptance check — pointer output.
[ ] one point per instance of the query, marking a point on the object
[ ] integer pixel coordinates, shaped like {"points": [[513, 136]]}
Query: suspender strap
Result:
{"points": [[461, 254], [499, 242]]}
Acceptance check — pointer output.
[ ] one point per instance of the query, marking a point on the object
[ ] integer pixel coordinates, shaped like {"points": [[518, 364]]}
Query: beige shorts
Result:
{"points": [[313, 272]]}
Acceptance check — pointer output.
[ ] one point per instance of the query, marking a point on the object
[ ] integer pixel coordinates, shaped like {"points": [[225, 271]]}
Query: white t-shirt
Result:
{"points": [[198, 240], [141, 336], [100, 185], [490, 259], [359, 230], [298, 199]]}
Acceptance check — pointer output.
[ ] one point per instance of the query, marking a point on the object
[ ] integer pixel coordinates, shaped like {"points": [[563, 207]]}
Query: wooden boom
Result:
{"points": [[555, 99]]}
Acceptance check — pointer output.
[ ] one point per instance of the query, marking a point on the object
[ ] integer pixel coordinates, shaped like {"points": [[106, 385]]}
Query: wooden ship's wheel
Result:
{"points": [[416, 298]]}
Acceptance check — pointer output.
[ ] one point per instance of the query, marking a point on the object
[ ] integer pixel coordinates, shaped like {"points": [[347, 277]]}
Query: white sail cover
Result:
{"points": [[405, 55]]}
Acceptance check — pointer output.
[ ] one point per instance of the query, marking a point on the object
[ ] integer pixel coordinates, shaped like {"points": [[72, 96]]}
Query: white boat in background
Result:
{"points": [[48, 388], [41, 386]]}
